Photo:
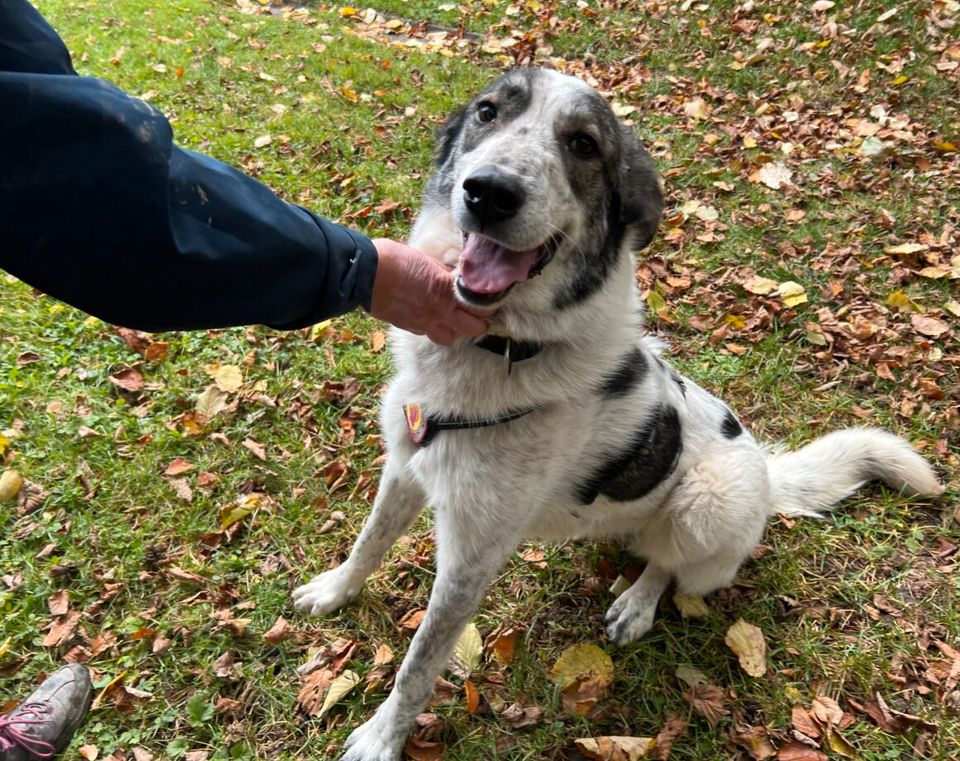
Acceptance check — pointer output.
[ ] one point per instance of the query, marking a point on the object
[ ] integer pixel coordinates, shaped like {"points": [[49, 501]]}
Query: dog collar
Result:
{"points": [[422, 429], [511, 351]]}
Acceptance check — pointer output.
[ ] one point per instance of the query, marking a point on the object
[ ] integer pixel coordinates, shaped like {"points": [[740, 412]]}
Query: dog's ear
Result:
{"points": [[641, 200], [447, 136]]}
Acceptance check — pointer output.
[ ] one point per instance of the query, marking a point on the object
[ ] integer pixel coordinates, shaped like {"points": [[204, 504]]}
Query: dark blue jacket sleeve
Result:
{"points": [[99, 208]]}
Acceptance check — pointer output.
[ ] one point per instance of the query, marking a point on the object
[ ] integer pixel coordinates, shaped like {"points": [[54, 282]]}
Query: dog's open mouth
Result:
{"points": [[489, 270]]}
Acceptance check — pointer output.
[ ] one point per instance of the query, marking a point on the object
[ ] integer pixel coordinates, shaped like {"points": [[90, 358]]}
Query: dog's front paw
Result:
{"points": [[629, 618], [374, 741], [326, 592]]}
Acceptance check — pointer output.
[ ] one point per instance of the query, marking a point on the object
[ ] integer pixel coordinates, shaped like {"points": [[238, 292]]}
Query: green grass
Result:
{"points": [[350, 115]]}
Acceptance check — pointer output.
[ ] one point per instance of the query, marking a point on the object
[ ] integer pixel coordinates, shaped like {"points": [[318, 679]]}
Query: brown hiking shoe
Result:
{"points": [[42, 725]]}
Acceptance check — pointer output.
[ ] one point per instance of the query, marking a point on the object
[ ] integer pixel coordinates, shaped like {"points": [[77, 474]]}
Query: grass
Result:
{"points": [[348, 113]]}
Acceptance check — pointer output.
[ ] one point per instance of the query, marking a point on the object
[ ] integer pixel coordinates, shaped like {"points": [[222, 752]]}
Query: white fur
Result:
{"points": [[495, 487]]}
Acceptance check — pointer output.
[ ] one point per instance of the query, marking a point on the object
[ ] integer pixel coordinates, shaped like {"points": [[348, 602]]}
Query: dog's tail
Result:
{"points": [[817, 476]]}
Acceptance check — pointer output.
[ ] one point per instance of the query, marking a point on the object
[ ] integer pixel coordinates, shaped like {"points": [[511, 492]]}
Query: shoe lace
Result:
{"points": [[11, 737]]}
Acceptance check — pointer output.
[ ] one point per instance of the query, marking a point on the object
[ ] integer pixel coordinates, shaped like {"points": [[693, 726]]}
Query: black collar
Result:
{"points": [[510, 349], [422, 429]]}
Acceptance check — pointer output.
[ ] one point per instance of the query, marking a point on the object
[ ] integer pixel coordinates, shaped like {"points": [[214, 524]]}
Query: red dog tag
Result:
{"points": [[416, 423]]}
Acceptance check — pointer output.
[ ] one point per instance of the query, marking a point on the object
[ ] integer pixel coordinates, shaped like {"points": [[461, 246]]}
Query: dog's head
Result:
{"points": [[539, 176]]}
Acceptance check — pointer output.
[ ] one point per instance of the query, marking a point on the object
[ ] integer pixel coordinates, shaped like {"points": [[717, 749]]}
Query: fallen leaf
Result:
{"points": [[128, 379], [775, 175], [505, 645], [211, 402], [900, 301], [792, 293], [583, 672], [617, 748], [691, 606], [672, 730], [472, 696], [228, 378], [88, 752], [746, 640], [259, 450], [281, 631], [182, 489], [709, 701], [178, 467], [383, 656], [761, 286], [412, 620], [929, 326], [467, 652], [10, 483], [905, 249], [797, 751], [827, 711], [339, 688], [59, 603]]}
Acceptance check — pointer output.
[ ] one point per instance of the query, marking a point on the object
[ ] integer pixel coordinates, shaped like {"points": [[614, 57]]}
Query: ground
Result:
{"points": [[180, 485]]}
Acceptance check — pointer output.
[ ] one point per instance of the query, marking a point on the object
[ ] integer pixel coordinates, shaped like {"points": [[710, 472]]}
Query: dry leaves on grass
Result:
{"points": [[583, 672], [746, 640], [617, 748]]}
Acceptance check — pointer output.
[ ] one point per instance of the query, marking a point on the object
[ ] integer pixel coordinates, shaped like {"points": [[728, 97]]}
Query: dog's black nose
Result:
{"points": [[492, 196]]}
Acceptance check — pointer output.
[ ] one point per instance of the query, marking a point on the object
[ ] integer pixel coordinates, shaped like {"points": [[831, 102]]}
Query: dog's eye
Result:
{"points": [[486, 111], [584, 146]]}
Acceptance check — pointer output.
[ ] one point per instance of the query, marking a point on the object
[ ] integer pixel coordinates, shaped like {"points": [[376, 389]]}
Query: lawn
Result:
{"points": [[180, 485]]}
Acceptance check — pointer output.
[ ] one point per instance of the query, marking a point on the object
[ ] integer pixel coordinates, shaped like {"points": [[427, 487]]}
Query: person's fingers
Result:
{"points": [[441, 334], [466, 324]]}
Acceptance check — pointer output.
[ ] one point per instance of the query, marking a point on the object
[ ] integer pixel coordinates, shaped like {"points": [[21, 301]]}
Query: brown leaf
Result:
{"points": [[411, 622], [281, 631], [827, 711], [519, 716], [894, 722], [756, 741], [59, 603], [617, 748], [423, 750], [182, 489], [803, 722], [383, 656], [226, 667], [62, 631], [178, 467], [797, 751], [312, 689], [672, 730], [929, 326], [259, 451], [128, 379], [709, 701]]}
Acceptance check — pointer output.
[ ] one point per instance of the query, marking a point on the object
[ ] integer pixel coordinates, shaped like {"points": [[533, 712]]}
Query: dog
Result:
{"points": [[564, 421]]}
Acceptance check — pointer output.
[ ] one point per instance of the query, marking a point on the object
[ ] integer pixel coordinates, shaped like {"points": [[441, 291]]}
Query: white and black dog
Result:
{"points": [[564, 422]]}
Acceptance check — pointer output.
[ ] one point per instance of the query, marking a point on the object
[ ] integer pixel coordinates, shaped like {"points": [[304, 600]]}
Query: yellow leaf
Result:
{"points": [[746, 640], [953, 306], [469, 648], [228, 378], [581, 662], [347, 11], [792, 293], [839, 745], [691, 606], [900, 301], [338, 689], [655, 302], [4, 444], [10, 483], [735, 321], [900, 80], [5, 646], [349, 94], [238, 511]]}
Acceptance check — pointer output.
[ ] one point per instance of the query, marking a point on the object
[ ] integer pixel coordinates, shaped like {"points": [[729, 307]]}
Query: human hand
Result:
{"points": [[416, 293]]}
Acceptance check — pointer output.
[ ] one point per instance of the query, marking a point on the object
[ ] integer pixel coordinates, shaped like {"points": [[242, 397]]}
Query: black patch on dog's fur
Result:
{"points": [[730, 427], [630, 372], [650, 457], [679, 381], [593, 272]]}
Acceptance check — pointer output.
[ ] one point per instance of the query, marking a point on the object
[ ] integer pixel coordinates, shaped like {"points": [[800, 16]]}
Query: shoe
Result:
{"points": [[43, 724]]}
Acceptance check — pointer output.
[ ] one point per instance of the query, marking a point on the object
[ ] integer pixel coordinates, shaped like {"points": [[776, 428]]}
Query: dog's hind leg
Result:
{"points": [[470, 551], [632, 613], [398, 502]]}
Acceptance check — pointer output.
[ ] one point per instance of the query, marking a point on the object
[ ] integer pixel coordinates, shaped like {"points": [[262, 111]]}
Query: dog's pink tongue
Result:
{"points": [[488, 267]]}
